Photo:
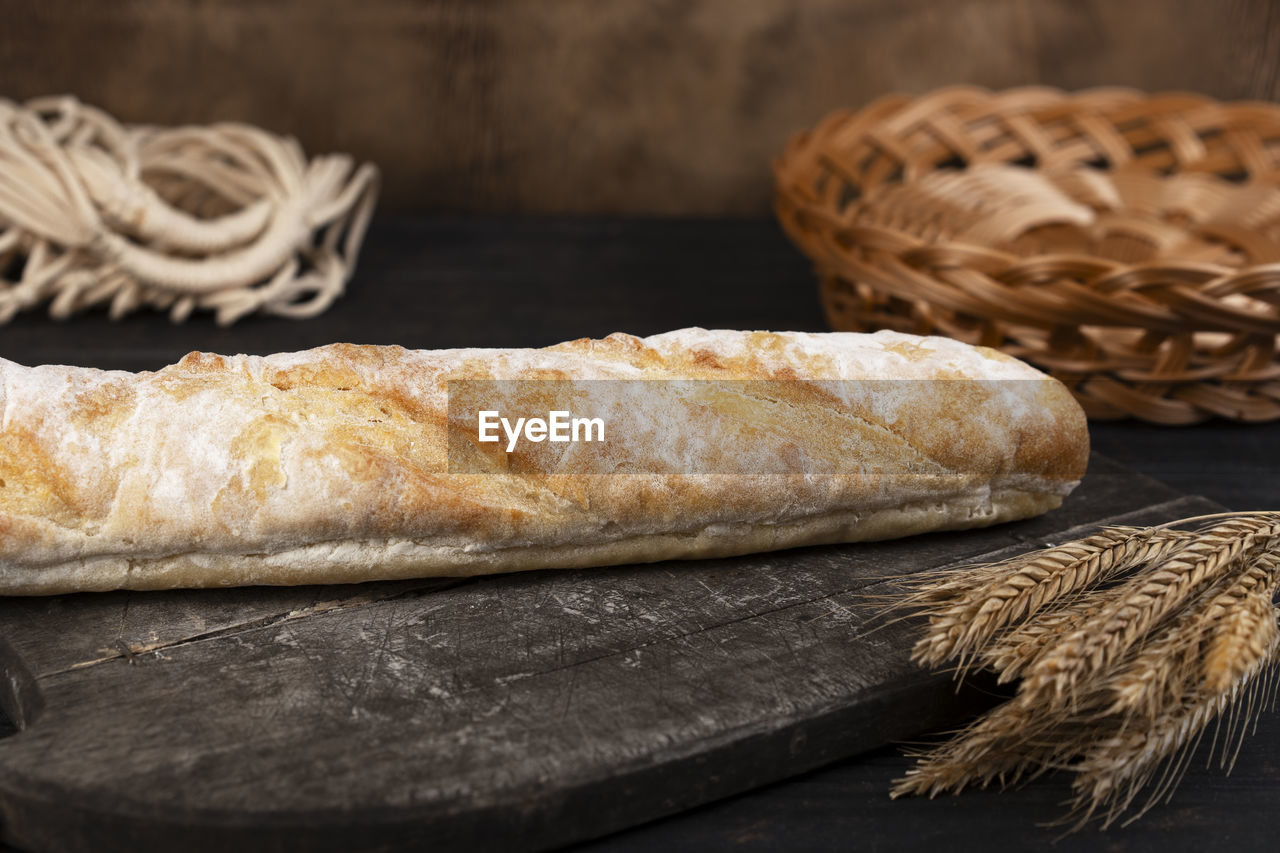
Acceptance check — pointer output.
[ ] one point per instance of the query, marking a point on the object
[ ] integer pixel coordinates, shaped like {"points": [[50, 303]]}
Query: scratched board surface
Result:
{"points": [[518, 712]]}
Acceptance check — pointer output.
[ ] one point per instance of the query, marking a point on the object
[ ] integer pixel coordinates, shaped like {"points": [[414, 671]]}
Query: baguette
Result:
{"points": [[333, 465]]}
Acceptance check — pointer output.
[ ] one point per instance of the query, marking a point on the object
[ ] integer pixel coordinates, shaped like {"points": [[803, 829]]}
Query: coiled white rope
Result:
{"points": [[227, 218]]}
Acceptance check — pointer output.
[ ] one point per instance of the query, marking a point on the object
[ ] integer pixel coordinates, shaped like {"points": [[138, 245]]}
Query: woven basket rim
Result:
{"points": [[840, 185]]}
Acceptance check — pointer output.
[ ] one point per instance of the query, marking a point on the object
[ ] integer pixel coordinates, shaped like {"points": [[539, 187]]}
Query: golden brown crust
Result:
{"points": [[332, 464], [400, 559]]}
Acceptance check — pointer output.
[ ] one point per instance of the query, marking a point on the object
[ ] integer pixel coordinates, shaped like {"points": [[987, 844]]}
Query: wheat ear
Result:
{"points": [[1094, 647], [1128, 644], [980, 604], [1013, 650], [1245, 628], [1114, 771]]}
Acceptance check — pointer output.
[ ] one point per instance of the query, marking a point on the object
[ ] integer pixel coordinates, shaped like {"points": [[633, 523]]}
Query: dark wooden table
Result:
{"points": [[490, 282]]}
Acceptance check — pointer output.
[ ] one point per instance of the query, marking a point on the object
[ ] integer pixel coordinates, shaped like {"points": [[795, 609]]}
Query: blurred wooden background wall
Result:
{"points": [[590, 106]]}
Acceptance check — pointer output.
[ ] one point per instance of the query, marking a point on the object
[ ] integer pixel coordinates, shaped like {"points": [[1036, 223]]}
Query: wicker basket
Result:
{"points": [[1127, 244]]}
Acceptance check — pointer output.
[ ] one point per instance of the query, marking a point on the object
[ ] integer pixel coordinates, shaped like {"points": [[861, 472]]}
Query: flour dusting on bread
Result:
{"points": [[331, 465]]}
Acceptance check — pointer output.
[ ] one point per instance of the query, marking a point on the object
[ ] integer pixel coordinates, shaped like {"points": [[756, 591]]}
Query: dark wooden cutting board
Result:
{"points": [[519, 712]]}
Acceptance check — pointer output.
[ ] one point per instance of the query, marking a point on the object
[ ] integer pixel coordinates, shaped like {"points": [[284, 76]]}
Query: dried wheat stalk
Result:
{"points": [[1128, 644]]}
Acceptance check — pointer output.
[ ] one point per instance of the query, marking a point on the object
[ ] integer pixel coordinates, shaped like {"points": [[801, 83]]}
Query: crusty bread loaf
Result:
{"points": [[331, 465]]}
